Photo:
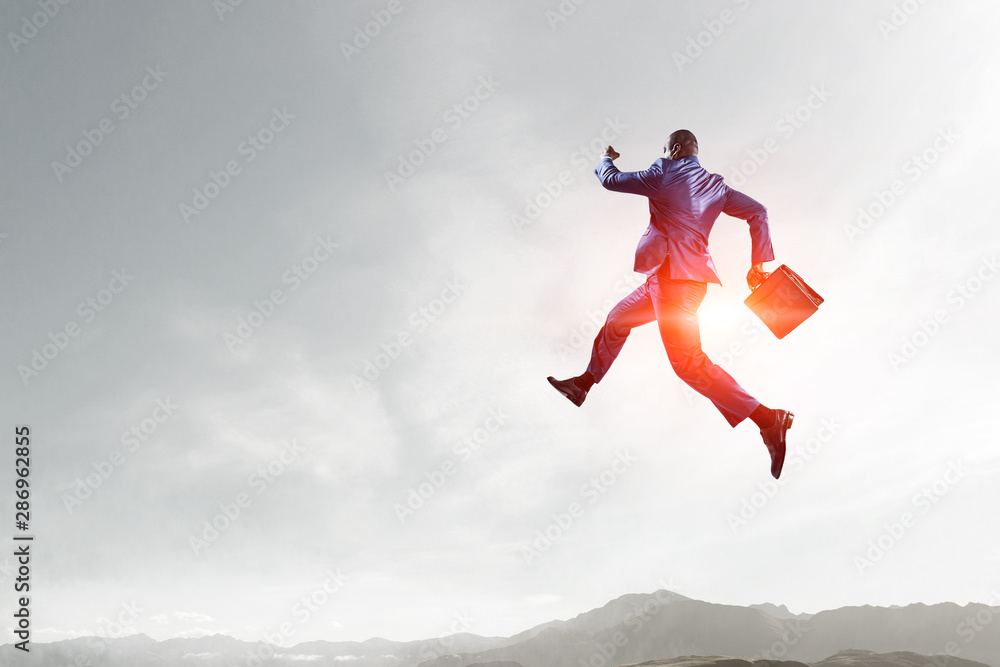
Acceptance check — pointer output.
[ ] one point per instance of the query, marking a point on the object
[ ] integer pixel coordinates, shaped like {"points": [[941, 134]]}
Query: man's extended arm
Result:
{"points": [[633, 182], [738, 205]]}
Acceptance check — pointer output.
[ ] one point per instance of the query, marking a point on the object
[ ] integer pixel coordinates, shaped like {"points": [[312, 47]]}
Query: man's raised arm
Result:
{"points": [[633, 182]]}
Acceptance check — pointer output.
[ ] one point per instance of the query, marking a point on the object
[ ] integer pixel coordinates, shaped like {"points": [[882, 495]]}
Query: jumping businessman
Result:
{"points": [[684, 202]]}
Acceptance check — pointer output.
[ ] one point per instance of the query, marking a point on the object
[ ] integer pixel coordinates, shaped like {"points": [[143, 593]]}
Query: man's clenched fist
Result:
{"points": [[756, 275]]}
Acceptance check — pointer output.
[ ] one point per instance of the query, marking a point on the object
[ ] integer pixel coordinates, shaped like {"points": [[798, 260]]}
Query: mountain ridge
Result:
{"points": [[633, 629]]}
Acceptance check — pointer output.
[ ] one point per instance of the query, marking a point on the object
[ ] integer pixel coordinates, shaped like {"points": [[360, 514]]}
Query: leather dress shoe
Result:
{"points": [[570, 389], [774, 439]]}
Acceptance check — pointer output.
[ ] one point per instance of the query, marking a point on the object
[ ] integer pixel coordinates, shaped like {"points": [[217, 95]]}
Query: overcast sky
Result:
{"points": [[217, 217]]}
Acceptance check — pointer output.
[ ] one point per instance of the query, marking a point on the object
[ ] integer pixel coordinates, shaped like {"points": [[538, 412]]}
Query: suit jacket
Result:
{"points": [[684, 202]]}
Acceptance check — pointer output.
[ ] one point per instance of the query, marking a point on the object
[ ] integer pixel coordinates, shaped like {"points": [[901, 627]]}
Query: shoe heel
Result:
{"points": [[788, 422]]}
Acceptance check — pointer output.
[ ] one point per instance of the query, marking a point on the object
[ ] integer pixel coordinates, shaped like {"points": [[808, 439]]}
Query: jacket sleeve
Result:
{"points": [[738, 205], [642, 183]]}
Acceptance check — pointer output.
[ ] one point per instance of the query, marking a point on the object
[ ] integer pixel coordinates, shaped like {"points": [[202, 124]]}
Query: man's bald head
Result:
{"points": [[681, 143]]}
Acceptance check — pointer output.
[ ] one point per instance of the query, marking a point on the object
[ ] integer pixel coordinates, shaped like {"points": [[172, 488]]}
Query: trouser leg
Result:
{"points": [[676, 303], [634, 310]]}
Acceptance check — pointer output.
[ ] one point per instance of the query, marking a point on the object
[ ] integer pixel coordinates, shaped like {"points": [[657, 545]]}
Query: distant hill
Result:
{"points": [[857, 658], [850, 658], [778, 611], [717, 661], [661, 628]]}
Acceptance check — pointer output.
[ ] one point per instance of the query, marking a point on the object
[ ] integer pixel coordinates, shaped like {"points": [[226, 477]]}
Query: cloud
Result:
{"points": [[192, 616]]}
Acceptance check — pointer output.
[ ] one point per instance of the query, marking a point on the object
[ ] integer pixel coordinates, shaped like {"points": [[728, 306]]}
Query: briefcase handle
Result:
{"points": [[766, 275], [797, 279]]}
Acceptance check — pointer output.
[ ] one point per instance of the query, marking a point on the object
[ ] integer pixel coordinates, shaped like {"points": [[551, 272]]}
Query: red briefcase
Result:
{"points": [[783, 301]]}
